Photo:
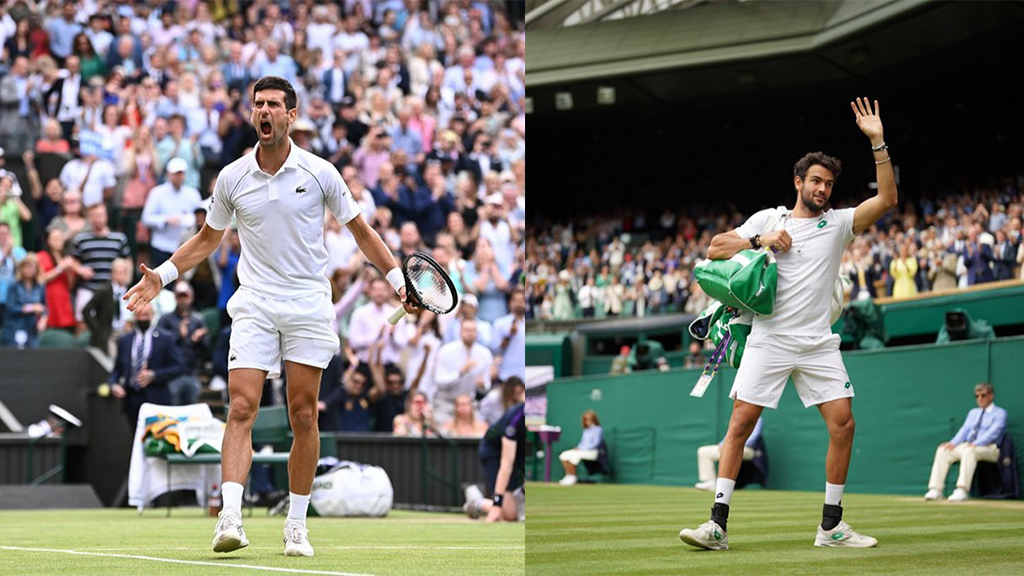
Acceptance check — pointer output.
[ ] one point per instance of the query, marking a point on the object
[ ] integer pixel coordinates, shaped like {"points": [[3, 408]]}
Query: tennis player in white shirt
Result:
{"points": [[282, 309], [796, 338]]}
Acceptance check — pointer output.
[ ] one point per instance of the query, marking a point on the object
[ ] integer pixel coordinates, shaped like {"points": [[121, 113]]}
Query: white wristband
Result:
{"points": [[168, 272], [396, 278]]}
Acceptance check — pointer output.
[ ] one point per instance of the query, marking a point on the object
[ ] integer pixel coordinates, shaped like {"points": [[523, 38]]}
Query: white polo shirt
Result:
{"points": [[280, 221]]}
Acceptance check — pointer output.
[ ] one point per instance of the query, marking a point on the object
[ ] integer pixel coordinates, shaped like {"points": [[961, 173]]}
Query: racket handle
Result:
{"points": [[397, 315]]}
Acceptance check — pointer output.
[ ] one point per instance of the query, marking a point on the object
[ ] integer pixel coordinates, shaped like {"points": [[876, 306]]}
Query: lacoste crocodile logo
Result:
{"points": [[300, 189], [233, 357]]}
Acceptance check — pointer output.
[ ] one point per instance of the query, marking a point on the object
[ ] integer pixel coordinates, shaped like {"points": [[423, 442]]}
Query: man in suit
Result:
{"points": [[147, 359], [975, 441], [977, 256], [1005, 256]]}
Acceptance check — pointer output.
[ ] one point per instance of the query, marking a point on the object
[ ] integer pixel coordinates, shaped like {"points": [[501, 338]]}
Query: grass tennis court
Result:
{"points": [[402, 543], [634, 529]]}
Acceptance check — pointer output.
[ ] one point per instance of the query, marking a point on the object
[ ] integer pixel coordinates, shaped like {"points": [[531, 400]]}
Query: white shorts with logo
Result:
{"points": [[814, 362], [264, 331]]}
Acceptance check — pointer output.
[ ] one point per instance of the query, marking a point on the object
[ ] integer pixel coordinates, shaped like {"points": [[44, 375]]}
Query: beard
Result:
{"points": [[811, 203]]}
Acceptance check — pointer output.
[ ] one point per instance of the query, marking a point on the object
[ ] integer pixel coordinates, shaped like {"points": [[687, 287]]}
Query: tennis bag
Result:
{"points": [[724, 325], [747, 281], [353, 489]]}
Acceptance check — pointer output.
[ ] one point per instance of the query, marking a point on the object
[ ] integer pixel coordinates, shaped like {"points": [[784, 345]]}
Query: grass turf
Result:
{"points": [[634, 530], [402, 543]]}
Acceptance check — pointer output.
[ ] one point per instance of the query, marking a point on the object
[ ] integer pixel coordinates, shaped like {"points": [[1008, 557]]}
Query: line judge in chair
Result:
{"points": [[975, 441]]}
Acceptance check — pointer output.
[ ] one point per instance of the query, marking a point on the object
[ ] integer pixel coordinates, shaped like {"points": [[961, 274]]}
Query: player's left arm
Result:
{"points": [[870, 123]]}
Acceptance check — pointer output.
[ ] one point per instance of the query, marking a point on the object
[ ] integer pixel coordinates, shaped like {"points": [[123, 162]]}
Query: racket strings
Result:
{"points": [[430, 287]]}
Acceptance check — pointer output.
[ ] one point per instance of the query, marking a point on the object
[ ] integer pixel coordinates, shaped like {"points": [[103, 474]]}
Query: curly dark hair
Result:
{"points": [[277, 83], [804, 164]]}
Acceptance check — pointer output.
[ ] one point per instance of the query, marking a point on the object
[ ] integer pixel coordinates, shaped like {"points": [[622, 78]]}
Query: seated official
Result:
{"points": [[976, 441], [585, 450], [708, 455], [147, 359]]}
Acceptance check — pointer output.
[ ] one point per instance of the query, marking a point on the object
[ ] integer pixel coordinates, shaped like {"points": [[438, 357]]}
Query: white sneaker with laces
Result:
{"points": [[708, 535], [296, 539], [707, 485], [568, 480], [958, 495], [933, 495], [843, 536], [229, 536], [473, 495]]}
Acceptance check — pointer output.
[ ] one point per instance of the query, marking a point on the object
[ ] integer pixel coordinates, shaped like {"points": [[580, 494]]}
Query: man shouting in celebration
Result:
{"points": [[796, 339], [282, 309]]}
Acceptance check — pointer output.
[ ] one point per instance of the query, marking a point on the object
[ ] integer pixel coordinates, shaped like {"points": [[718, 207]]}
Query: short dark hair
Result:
{"points": [[804, 164], [277, 83]]}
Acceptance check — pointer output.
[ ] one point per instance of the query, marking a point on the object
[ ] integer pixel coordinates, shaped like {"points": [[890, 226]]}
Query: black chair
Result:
{"points": [[600, 467], [998, 480], [755, 471]]}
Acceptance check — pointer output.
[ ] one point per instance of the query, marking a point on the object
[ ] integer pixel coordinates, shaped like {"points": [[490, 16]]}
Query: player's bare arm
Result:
{"points": [[727, 244], [870, 123], [376, 251], [191, 253]]}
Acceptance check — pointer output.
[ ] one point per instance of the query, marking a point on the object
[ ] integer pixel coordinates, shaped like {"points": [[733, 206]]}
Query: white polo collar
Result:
{"points": [[292, 161]]}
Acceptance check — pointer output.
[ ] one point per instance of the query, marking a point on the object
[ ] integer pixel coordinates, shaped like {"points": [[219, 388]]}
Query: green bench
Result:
{"points": [[271, 427]]}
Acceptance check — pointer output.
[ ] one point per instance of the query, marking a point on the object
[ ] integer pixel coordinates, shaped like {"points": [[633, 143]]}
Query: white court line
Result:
{"points": [[192, 562], [328, 547]]}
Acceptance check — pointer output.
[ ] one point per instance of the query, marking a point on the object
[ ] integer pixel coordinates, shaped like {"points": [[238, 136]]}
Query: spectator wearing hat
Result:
{"points": [[193, 340], [468, 307], [170, 212], [303, 133]]}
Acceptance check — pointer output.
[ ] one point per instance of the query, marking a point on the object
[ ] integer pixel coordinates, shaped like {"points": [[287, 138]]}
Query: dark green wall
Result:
{"points": [[908, 401]]}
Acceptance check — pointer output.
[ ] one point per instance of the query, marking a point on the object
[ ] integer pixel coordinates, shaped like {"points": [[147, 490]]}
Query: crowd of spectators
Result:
{"points": [[631, 265], [116, 118]]}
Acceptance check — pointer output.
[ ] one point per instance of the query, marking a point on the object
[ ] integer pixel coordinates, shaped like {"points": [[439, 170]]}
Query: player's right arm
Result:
{"points": [[186, 257], [727, 244]]}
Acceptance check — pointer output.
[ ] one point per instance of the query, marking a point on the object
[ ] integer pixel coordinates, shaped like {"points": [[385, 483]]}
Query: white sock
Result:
{"points": [[723, 490], [297, 504], [232, 494], [834, 494]]}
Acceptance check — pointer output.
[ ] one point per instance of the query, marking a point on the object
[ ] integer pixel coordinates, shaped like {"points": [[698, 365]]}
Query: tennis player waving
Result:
{"points": [[282, 309], [796, 340]]}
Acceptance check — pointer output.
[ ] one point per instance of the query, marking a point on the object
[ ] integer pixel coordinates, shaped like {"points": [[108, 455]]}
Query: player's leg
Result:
{"points": [[759, 382], [838, 416], [303, 389], [940, 469], [245, 386]]}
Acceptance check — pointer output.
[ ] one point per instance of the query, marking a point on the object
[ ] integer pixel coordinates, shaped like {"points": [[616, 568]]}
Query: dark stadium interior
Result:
{"points": [[944, 74]]}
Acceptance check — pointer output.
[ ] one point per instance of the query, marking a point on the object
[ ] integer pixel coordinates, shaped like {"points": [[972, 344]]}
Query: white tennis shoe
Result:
{"points": [[958, 495], [933, 495], [229, 536], [842, 536], [296, 539], [473, 495], [709, 536]]}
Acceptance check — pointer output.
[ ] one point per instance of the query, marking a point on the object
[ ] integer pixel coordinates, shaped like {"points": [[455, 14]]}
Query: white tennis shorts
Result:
{"points": [[265, 331], [814, 362]]}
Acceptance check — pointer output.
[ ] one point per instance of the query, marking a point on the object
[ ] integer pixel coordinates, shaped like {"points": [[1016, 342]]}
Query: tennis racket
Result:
{"points": [[427, 286]]}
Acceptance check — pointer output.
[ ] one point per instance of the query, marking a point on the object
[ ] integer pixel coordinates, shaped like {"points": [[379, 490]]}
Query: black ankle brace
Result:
{"points": [[830, 516], [720, 514]]}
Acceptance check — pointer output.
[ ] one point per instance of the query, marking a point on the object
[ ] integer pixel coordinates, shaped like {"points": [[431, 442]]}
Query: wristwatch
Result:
{"points": [[755, 242]]}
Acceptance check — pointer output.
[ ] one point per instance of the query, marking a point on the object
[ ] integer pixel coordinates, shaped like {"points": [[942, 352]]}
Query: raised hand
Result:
{"points": [[147, 289], [869, 122]]}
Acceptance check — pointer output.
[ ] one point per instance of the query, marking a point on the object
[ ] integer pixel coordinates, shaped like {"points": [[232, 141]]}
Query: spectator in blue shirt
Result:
{"points": [[975, 441], [63, 31], [585, 450], [25, 317], [708, 455]]}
